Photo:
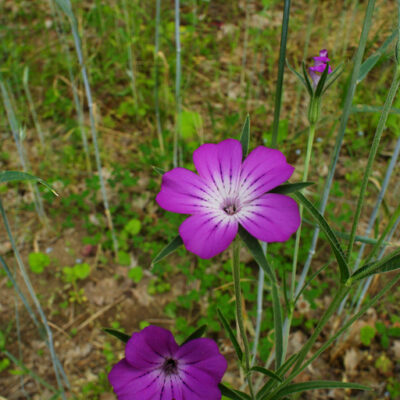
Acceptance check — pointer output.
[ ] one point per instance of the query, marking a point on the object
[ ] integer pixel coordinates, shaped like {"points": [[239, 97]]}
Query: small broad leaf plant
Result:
{"points": [[237, 198]]}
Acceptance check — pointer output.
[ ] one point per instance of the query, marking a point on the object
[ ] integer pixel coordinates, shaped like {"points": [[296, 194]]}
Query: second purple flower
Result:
{"points": [[228, 192], [320, 63]]}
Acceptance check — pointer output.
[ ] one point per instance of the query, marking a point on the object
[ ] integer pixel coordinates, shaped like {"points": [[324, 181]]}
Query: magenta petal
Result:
{"points": [[219, 165], [182, 191], [129, 383], [203, 354], [263, 170], [197, 386], [207, 235], [271, 218], [147, 348]]}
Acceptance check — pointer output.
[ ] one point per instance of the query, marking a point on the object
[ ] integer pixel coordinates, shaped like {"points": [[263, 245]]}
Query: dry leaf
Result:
{"points": [[396, 349], [351, 360], [101, 293]]}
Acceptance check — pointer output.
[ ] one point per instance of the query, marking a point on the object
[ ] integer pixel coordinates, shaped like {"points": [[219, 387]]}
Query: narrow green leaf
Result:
{"points": [[168, 249], [387, 264], [266, 372], [330, 235], [301, 79], [17, 176], [291, 187], [233, 394], [159, 171], [304, 386], [364, 108], [231, 334], [255, 249], [245, 136], [371, 61], [198, 333], [119, 335], [321, 82], [331, 79], [65, 6], [281, 371], [307, 79]]}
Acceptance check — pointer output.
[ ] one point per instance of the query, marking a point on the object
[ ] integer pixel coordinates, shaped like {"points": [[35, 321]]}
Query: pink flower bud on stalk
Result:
{"points": [[319, 67]]}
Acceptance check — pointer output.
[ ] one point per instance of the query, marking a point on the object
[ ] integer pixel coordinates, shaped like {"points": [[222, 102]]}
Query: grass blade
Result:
{"points": [[231, 334]]}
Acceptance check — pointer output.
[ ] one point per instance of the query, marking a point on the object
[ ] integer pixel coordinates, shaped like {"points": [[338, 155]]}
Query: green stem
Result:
{"points": [[374, 148], [311, 134], [239, 310], [281, 69]]}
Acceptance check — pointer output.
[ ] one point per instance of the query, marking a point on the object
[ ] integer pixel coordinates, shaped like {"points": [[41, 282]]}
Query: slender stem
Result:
{"points": [[299, 87], [78, 107], [339, 139], [311, 134], [132, 74], [374, 148], [178, 100], [32, 107], [239, 310], [281, 69], [288, 320], [16, 130], [260, 291], [245, 43], [157, 79], [58, 369], [88, 91]]}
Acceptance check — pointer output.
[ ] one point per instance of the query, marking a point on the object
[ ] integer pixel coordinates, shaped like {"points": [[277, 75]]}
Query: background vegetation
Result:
{"points": [[144, 95]]}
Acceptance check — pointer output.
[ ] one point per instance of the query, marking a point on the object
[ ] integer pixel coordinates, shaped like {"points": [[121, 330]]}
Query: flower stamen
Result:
{"points": [[170, 366]]}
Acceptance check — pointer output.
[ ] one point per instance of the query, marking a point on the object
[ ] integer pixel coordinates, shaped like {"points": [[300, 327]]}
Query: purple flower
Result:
{"points": [[228, 192], [319, 67], [156, 368]]}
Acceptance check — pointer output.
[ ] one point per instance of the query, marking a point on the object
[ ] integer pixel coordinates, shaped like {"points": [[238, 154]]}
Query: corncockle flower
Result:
{"points": [[319, 67], [156, 368], [228, 192]]}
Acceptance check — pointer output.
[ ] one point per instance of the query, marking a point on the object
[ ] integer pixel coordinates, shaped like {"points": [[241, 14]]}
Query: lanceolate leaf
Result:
{"points": [[233, 394], [159, 171], [267, 372], [307, 79], [330, 235], [231, 335], [291, 187], [245, 136], [17, 176], [119, 335], [281, 371], [302, 387], [333, 76], [371, 61], [168, 249], [387, 264], [321, 82], [196, 334], [301, 79]]}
